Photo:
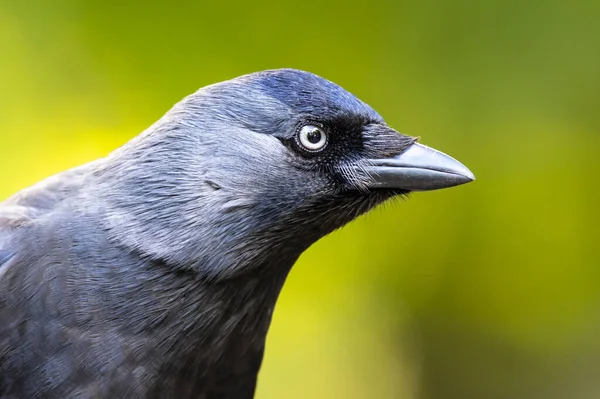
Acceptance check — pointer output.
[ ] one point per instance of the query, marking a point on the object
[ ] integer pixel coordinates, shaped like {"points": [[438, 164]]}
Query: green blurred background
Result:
{"points": [[489, 290]]}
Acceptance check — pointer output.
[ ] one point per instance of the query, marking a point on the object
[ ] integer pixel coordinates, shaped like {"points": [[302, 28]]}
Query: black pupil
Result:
{"points": [[314, 136]]}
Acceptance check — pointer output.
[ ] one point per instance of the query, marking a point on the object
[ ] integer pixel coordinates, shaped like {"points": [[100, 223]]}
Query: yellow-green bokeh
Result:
{"points": [[490, 290]]}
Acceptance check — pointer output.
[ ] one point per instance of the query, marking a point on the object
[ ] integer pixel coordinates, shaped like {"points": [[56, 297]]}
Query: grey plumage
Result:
{"points": [[153, 273]]}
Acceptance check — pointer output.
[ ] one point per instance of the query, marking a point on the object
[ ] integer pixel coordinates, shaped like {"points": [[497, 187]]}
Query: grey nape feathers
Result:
{"points": [[153, 273]]}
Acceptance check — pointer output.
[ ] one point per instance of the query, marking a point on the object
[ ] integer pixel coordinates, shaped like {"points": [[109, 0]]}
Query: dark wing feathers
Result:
{"points": [[32, 345], [65, 310]]}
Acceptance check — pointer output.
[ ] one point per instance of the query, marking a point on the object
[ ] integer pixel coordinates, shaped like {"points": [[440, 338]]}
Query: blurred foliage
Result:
{"points": [[491, 290]]}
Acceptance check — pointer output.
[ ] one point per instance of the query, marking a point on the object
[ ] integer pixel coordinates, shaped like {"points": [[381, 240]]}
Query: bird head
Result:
{"points": [[252, 171]]}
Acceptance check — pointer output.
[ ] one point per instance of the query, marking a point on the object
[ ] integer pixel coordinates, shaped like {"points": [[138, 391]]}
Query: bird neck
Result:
{"points": [[152, 200]]}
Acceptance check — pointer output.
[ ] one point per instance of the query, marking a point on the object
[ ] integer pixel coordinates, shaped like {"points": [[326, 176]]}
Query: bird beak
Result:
{"points": [[419, 168]]}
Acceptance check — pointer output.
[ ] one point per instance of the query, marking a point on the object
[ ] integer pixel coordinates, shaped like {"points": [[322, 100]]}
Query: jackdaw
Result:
{"points": [[153, 272]]}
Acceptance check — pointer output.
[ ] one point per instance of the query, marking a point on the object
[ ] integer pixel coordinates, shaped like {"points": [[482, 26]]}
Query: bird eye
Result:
{"points": [[312, 138]]}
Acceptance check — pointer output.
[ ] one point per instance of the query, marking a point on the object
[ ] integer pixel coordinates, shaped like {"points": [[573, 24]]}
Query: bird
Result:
{"points": [[154, 272]]}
